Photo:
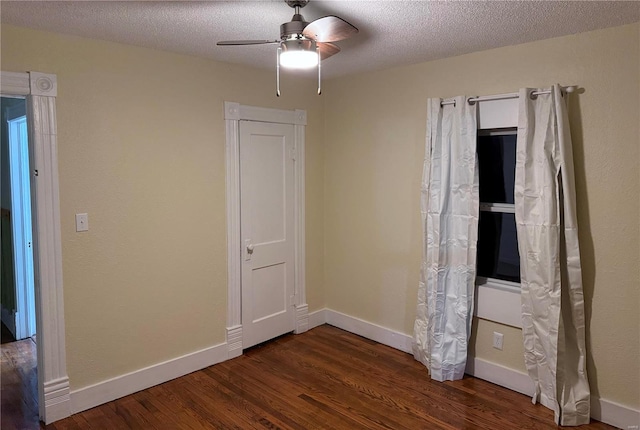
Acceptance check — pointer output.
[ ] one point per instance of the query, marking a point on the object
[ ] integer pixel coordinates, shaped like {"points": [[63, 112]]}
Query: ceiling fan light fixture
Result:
{"points": [[299, 54], [303, 44]]}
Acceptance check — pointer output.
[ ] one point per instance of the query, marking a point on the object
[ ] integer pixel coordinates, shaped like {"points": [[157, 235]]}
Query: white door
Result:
{"points": [[25, 318], [267, 230]]}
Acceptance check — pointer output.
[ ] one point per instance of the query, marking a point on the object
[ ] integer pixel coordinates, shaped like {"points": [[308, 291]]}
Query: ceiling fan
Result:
{"points": [[304, 44]]}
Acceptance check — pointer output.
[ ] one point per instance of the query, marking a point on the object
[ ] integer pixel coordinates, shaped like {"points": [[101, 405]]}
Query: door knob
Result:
{"points": [[249, 249]]}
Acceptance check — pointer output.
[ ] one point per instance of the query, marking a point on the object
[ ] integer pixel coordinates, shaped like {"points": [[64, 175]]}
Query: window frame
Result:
{"points": [[498, 300]]}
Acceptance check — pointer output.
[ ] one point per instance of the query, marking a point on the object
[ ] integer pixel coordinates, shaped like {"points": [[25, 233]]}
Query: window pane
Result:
{"points": [[498, 255], [497, 164]]}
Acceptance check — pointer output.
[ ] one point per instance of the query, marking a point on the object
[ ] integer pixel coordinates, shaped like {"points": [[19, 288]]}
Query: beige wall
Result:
{"points": [[374, 146], [141, 150]]}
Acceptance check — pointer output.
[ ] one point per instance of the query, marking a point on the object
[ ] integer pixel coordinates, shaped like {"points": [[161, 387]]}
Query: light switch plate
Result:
{"points": [[82, 222]]}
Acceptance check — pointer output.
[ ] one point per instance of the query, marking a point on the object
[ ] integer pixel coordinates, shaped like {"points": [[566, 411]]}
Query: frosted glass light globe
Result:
{"points": [[299, 54]]}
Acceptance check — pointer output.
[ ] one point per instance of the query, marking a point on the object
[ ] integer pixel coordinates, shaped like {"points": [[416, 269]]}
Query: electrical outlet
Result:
{"points": [[498, 339]]}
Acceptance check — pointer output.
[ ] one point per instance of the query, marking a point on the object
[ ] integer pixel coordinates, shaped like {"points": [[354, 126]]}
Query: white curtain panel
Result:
{"points": [[553, 322], [450, 205]]}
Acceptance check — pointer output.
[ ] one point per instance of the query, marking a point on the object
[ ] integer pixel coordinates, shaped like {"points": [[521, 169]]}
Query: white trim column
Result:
{"points": [[234, 267], [40, 90], [302, 309]]}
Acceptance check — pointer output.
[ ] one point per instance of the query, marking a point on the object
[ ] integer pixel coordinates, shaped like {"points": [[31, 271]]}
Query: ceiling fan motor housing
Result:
{"points": [[293, 27], [298, 45], [297, 3]]}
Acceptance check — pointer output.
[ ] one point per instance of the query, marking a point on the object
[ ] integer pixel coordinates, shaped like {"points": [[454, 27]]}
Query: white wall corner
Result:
{"points": [[317, 318], [300, 117], [57, 400], [234, 341], [232, 111], [302, 318]]}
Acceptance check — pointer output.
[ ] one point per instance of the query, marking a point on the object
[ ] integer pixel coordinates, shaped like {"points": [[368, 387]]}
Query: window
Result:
{"points": [[498, 261], [498, 256]]}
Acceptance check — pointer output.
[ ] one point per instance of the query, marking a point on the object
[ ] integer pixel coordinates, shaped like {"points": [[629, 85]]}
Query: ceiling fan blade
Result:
{"points": [[329, 29], [246, 42], [327, 50]]}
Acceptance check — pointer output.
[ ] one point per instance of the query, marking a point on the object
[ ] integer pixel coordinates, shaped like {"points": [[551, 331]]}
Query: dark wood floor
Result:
{"points": [[19, 381], [324, 379], [5, 334]]}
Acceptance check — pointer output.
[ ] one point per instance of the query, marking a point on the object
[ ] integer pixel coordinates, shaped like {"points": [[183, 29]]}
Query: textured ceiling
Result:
{"points": [[391, 32]]}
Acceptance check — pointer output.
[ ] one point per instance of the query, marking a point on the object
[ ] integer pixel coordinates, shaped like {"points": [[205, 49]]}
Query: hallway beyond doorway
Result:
{"points": [[19, 380]]}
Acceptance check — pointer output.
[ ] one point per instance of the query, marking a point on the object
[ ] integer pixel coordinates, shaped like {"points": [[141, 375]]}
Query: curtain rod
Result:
{"points": [[568, 89]]}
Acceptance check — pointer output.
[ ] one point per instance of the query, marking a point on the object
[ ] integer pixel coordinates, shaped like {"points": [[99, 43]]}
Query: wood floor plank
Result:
{"points": [[280, 403], [476, 413], [18, 398], [377, 408], [324, 379], [375, 391]]}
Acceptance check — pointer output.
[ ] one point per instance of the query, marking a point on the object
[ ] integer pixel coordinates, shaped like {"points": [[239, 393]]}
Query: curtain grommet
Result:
{"points": [[471, 102], [533, 95]]}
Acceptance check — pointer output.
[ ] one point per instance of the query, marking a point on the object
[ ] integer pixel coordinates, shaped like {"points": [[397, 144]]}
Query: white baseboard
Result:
{"points": [[317, 318], [111, 389], [234, 341], [615, 414], [302, 318], [57, 400], [369, 330], [500, 375], [88, 397], [602, 410]]}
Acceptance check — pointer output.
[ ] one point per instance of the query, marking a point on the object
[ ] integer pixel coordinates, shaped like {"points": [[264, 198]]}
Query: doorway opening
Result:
{"points": [[17, 292], [239, 251]]}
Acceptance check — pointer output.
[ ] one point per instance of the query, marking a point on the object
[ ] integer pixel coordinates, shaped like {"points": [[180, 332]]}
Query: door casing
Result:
{"points": [[40, 91], [233, 114]]}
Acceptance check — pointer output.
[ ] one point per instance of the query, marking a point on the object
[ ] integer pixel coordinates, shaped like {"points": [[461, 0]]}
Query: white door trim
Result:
{"points": [[233, 113], [40, 90]]}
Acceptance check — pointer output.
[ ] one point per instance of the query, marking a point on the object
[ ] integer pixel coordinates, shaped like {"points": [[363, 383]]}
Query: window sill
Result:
{"points": [[498, 301]]}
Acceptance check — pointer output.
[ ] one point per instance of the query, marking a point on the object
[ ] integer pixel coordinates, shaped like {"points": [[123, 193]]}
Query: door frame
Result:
{"points": [[40, 91], [233, 114]]}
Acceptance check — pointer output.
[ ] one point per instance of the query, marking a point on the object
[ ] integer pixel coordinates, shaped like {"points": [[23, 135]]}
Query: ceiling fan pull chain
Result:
{"points": [[278, 71], [319, 74]]}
